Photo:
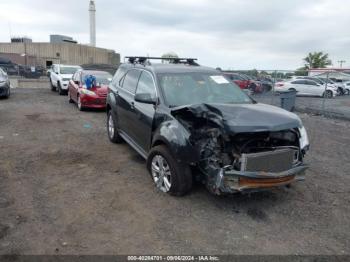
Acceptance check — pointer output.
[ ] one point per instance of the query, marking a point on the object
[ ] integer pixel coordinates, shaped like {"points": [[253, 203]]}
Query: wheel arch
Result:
{"points": [[176, 139]]}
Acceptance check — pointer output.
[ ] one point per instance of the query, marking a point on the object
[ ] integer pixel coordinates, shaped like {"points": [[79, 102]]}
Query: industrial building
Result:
{"points": [[61, 49], [46, 54]]}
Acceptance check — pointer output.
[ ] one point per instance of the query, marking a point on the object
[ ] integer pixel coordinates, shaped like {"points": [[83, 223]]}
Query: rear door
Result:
{"points": [[126, 104], [312, 88], [144, 113]]}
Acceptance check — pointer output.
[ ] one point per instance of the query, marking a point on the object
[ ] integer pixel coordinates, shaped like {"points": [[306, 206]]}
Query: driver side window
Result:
{"points": [[146, 85]]}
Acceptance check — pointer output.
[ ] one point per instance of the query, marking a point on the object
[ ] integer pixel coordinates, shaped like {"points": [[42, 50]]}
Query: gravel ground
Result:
{"points": [[65, 189]]}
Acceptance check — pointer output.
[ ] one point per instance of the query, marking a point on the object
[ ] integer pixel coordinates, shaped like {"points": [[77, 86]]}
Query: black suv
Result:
{"points": [[188, 120]]}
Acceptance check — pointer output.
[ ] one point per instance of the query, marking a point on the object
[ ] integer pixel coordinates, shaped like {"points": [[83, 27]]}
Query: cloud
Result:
{"points": [[228, 33]]}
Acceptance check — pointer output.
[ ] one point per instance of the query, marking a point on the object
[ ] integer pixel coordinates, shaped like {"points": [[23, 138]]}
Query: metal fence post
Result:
{"points": [[324, 96], [273, 88]]}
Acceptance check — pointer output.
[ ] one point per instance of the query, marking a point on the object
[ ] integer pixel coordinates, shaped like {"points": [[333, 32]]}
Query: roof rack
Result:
{"points": [[173, 60]]}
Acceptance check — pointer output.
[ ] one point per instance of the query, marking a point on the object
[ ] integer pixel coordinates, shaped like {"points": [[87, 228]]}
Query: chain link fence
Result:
{"points": [[325, 94]]}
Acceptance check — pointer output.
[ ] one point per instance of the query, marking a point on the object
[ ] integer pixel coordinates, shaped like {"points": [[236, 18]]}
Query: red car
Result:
{"points": [[94, 97], [238, 80]]}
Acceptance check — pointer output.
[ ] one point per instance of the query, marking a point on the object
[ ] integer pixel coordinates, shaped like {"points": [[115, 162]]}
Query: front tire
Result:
{"points": [[59, 88], [112, 130], [79, 104], [169, 175]]}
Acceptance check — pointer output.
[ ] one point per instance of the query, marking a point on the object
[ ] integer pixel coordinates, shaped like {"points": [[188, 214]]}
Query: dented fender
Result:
{"points": [[176, 138]]}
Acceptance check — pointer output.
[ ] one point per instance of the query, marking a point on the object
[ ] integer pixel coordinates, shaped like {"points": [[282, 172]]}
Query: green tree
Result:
{"points": [[169, 55], [301, 72], [316, 60]]}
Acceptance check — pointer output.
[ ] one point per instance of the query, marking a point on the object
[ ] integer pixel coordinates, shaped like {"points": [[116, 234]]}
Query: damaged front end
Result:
{"points": [[243, 159]]}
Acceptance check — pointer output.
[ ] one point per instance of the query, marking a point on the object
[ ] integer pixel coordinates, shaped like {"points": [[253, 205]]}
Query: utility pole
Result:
{"points": [[341, 62], [92, 12]]}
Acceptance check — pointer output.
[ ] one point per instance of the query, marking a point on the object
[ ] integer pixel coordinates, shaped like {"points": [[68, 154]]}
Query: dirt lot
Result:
{"points": [[65, 189]]}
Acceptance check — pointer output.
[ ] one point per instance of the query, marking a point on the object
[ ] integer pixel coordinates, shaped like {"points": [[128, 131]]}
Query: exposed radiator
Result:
{"points": [[270, 161]]}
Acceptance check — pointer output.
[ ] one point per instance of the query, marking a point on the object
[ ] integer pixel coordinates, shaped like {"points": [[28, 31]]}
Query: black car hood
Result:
{"points": [[241, 118]]}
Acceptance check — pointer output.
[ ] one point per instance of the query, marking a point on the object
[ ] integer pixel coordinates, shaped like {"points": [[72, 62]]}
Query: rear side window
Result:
{"points": [[131, 79], [310, 83], [146, 85], [298, 82], [118, 76]]}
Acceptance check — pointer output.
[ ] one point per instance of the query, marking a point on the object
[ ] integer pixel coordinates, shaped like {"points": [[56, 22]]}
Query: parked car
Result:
{"points": [[252, 83], [89, 97], [30, 71], [237, 79], [60, 77], [306, 87], [321, 82], [340, 84], [9, 67], [5, 86], [189, 120], [347, 87]]}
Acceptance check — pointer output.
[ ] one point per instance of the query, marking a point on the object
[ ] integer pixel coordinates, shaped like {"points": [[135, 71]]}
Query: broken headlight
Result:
{"points": [[304, 139]]}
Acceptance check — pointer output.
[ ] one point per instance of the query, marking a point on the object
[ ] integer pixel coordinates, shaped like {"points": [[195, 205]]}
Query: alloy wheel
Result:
{"points": [[110, 126], [329, 94], [161, 173], [79, 103]]}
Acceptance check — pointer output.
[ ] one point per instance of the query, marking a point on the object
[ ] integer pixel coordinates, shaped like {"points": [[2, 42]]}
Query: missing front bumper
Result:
{"points": [[225, 181]]}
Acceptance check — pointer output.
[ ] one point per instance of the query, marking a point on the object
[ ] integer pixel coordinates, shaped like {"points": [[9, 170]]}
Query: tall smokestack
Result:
{"points": [[92, 11]]}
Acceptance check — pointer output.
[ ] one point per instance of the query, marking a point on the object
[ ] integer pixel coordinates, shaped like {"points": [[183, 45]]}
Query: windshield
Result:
{"points": [[196, 88], [102, 78], [68, 70]]}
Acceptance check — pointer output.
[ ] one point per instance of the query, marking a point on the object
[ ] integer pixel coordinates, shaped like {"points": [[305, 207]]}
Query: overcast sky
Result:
{"points": [[237, 34]]}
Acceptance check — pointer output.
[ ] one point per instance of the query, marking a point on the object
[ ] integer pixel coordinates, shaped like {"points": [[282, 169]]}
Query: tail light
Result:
{"points": [[279, 84]]}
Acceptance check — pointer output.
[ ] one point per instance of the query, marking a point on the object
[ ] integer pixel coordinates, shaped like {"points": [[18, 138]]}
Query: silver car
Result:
{"points": [[5, 89]]}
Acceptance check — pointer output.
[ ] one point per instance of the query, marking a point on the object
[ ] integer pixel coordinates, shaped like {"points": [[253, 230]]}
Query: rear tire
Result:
{"points": [[53, 88], [328, 94], [112, 129], [169, 175]]}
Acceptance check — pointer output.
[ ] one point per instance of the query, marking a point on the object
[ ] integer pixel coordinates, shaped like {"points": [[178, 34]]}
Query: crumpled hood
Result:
{"points": [[242, 118]]}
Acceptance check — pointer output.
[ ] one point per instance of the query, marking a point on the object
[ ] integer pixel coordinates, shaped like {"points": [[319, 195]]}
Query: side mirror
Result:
{"points": [[145, 98]]}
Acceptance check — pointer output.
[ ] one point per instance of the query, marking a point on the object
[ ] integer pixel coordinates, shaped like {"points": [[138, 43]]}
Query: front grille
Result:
{"points": [[100, 101], [271, 161]]}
